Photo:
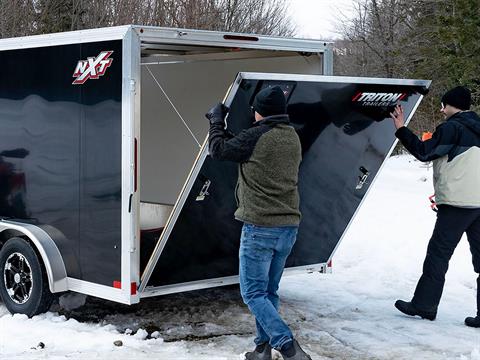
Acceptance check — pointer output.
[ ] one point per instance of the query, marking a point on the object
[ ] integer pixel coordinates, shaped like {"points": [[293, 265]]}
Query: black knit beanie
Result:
{"points": [[270, 101], [458, 97]]}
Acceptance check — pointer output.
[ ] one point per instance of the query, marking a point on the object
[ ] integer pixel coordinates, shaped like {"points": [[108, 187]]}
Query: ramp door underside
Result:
{"points": [[346, 134]]}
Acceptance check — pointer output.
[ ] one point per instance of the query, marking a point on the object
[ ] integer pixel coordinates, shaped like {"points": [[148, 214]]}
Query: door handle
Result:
{"points": [[362, 179]]}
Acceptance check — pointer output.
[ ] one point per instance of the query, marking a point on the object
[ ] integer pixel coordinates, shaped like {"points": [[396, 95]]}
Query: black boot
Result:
{"points": [[261, 352], [409, 309], [473, 321], [294, 352]]}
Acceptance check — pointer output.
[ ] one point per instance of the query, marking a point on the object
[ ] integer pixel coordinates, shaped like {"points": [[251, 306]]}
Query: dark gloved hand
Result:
{"points": [[217, 114]]}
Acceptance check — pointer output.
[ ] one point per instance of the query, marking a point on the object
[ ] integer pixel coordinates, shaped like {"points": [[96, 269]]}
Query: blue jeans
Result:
{"points": [[263, 252]]}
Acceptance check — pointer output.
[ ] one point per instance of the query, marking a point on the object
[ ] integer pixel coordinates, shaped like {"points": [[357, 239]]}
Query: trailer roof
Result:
{"points": [[64, 38], [151, 35]]}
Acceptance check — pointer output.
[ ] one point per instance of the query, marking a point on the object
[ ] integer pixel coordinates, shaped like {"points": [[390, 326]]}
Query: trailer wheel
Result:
{"points": [[23, 280]]}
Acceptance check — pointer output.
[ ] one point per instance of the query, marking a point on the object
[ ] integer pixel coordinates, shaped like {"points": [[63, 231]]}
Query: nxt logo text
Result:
{"points": [[92, 68]]}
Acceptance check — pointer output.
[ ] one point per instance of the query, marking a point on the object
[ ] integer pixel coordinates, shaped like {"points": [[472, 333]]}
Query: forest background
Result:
{"points": [[437, 40]]}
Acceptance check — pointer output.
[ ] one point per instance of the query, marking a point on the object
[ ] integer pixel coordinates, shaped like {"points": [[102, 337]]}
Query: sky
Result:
{"points": [[318, 19]]}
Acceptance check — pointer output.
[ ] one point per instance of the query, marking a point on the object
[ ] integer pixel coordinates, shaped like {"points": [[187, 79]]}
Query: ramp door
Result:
{"points": [[346, 135]]}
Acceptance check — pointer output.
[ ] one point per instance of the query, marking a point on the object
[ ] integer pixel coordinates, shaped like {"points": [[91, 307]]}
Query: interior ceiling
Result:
{"points": [[160, 53], [150, 49]]}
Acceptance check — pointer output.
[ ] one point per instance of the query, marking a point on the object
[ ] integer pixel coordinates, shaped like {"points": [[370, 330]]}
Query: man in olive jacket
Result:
{"points": [[455, 151], [269, 155]]}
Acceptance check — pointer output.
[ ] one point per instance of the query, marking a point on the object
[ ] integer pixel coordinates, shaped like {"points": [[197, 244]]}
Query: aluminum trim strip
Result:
{"points": [[334, 79], [97, 290], [65, 38], [130, 251], [166, 30], [164, 35], [216, 38], [136, 76], [229, 280], [327, 61]]}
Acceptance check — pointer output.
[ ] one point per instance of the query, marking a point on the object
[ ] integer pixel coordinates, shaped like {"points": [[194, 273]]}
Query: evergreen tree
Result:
{"points": [[425, 39], [54, 15], [451, 54]]}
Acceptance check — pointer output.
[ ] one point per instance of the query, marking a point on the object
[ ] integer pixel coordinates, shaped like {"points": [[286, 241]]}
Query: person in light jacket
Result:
{"points": [[455, 151]]}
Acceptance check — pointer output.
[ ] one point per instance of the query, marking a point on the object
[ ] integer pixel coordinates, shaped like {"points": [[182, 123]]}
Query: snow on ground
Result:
{"points": [[345, 315]]}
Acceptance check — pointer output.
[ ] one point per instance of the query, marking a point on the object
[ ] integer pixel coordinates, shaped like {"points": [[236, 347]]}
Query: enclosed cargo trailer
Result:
{"points": [[106, 185]]}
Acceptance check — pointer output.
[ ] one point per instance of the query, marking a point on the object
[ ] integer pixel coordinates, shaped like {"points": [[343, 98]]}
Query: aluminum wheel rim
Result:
{"points": [[17, 277]]}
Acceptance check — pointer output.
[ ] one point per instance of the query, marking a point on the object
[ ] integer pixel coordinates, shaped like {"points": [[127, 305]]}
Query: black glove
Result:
{"points": [[217, 114]]}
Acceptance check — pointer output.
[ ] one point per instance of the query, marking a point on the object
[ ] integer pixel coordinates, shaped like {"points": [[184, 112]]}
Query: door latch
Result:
{"points": [[204, 191], [362, 179]]}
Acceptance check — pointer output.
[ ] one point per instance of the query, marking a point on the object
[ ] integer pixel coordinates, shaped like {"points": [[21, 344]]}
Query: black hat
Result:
{"points": [[270, 101], [458, 97]]}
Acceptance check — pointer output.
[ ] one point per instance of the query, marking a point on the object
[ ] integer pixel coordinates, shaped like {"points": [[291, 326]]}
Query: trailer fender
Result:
{"points": [[48, 250]]}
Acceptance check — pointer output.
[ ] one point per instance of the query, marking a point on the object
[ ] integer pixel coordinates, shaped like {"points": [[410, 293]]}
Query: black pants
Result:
{"points": [[451, 223]]}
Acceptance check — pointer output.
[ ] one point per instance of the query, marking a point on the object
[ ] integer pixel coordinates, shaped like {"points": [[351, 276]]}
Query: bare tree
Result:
{"points": [[387, 38], [256, 16], [17, 18], [375, 37], [25, 17], [252, 16]]}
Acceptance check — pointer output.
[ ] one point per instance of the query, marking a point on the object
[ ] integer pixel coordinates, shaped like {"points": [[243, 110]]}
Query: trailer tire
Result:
{"points": [[23, 279]]}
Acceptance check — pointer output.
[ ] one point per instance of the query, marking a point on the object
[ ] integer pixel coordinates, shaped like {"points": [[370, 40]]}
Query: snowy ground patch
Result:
{"points": [[345, 315]]}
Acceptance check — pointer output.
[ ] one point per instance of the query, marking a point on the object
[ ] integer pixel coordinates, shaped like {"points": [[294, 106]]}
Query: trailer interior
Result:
{"points": [[178, 85]]}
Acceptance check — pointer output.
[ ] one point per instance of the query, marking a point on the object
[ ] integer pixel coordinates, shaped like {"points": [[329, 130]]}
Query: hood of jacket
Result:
{"points": [[468, 119]]}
